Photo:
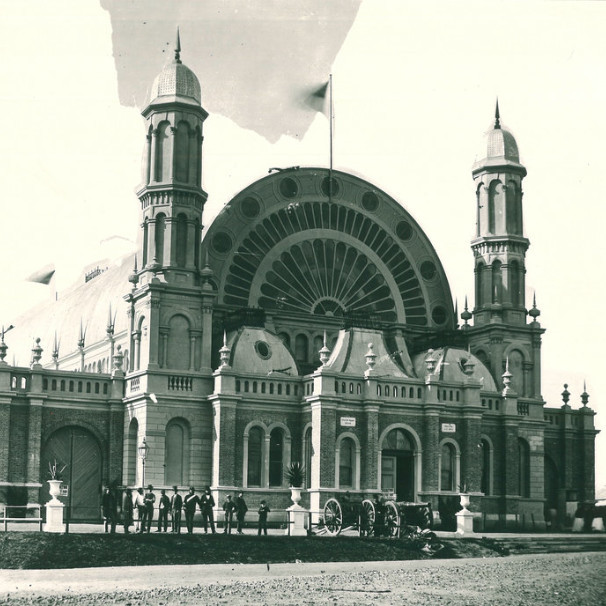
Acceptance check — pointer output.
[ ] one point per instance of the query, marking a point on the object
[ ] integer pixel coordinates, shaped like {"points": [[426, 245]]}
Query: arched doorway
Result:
{"points": [[397, 465], [78, 450]]}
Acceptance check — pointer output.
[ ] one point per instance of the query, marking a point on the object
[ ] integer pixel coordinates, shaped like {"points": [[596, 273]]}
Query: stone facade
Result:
{"points": [[313, 323]]}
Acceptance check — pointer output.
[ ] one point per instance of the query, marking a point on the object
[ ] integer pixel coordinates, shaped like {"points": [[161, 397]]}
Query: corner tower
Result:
{"points": [[171, 196], [500, 332], [500, 246]]}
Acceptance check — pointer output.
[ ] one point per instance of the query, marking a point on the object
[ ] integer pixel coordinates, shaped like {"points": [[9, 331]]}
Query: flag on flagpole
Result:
{"points": [[317, 99]]}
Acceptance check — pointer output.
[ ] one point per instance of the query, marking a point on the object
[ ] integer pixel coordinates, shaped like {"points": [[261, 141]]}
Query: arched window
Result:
{"points": [[131, 453], [523, 468], [276, 453], [347, 458], [181, 240], [162, 164], [301, 347], [160, 227], [177, 355], [447, 468], [515, 284], [397, 439], [480, 284], [255, 456], [176, 455], [516, 368], [495, 204], [497, 282], [182, 152]]}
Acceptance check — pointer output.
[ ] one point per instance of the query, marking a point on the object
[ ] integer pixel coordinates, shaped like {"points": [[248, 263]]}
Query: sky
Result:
{"points": [[414, 84]]}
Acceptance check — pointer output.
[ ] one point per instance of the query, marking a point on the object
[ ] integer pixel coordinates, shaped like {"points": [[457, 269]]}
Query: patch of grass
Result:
{"points": [[30, 550]]}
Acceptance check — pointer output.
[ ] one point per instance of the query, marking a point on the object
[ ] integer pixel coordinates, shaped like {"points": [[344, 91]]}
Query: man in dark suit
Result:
{"points": [[207, 504], [189, 504], [176, 504], [150, 499], [163, 507]]}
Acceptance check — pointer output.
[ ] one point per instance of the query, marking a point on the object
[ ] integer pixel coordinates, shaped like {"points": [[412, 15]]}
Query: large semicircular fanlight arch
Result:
{"points": [[281, 244]]}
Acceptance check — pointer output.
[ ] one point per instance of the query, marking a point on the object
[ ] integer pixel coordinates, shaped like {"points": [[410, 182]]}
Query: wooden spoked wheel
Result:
{"points": [[392, 519], [333, 516], [367, 517]]}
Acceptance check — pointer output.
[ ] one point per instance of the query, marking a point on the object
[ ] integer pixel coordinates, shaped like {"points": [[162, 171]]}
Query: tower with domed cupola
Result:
{"points": [[501, 331], [171, 194]]}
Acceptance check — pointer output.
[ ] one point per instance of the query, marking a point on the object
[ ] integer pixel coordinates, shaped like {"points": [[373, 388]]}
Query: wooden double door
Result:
{"points": [[78, 450]]}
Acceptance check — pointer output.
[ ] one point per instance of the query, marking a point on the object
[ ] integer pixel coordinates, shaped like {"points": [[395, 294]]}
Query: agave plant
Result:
{"points": [[54, 471], [295, 474]]}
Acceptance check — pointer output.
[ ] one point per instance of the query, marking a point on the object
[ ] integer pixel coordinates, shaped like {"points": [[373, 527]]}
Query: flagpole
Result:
{"points": [[330, 117]]}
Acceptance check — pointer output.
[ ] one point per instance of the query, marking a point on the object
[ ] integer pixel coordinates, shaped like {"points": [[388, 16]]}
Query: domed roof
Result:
{"points": [[258, 351], [450, 363], [176, 80], [499, 145]]}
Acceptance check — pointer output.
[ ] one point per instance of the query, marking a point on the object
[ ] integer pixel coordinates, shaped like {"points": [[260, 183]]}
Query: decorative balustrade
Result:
{"points": [[180, 383]]}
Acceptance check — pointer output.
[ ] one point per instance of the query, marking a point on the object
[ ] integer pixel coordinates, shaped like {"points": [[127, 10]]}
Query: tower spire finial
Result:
{"points": [[178, 48], [497, 116]]}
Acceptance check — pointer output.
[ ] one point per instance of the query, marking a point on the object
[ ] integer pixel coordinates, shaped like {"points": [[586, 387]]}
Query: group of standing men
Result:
{"points": [[142, 504]]}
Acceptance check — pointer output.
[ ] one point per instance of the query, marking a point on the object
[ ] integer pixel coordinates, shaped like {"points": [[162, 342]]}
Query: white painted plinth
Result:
{"points": [[597, 524], [464, 522], [296, 521], [578, 525], [54, 517]]}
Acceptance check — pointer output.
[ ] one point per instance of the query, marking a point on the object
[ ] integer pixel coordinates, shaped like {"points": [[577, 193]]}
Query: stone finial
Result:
{"points": [[565, 395], [534, 312], [466, 315], [584, 395], [469, 365], [224, 352], [497, 116], [134, 277], [118, 360], [55, 353], [324, 352], [111, 323], [36, 352], [371, 360], [430, 362], [82, 337], [507, 379], [178, 48]]}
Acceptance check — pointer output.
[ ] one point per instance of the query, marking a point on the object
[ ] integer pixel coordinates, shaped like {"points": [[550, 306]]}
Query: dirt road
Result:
{"points": [[562, 579]]}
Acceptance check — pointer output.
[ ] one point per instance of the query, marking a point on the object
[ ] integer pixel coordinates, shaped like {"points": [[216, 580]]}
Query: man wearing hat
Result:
{"points": [[176, 504], [148, 514]]}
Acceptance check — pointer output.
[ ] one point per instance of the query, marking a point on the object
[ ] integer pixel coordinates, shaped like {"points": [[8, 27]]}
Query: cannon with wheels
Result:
{"points": [[394, 518], [344, 513]]}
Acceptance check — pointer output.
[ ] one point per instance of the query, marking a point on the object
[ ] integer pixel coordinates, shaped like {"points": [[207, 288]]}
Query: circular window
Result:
{"points": [[263, 350], [370, 201], [404, 230], [250, 208], [428, 270], [330, 186], [288, 187], [439, 314], [222, 242]]}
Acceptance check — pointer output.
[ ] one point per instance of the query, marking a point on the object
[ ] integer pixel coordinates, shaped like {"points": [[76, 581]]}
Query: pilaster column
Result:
{"points": [[370, 478], [208, 297], [34, 426]]}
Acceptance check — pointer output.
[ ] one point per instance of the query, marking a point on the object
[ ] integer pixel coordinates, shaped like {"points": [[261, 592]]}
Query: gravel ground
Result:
{"points": [[552, 579]]}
